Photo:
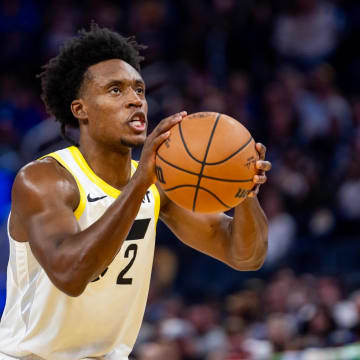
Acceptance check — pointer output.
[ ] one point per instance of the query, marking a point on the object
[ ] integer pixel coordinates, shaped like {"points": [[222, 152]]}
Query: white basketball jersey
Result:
{"points": [[40, 321]]}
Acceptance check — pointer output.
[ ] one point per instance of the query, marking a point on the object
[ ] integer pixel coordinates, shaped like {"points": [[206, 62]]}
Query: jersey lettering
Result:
{"points": [[146, 198]]}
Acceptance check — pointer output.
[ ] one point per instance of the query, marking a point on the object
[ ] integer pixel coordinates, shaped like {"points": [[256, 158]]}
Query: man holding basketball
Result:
{"points": [[82, 223]]}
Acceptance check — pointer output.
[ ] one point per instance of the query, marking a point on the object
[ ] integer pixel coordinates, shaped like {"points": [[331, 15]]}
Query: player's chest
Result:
{"points": [[97, 203]]}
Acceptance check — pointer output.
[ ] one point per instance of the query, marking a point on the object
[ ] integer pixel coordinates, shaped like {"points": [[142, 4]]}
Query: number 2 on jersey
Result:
{"points": [[137, 232], [121, 279]]}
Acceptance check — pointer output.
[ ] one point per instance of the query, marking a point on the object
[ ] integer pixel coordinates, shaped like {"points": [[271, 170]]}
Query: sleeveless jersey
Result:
{"points": [[42, 322]]}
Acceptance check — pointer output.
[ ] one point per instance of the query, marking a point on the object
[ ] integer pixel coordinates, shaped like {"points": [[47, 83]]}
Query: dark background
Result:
{"points": [[290, 72]]}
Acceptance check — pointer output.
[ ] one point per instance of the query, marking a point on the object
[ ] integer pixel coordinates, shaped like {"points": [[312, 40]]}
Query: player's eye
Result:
{"points": [[140, 90], [115, 91]]}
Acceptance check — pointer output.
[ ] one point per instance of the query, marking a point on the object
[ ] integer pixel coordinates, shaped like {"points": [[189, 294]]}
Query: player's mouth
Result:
{"points": [[137, 121]]}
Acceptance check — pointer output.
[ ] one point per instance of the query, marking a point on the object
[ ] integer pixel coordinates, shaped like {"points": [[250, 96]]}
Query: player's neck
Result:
{"points": [[112, 167]]}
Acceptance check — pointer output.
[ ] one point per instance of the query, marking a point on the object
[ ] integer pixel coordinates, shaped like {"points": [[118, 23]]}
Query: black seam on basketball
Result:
{"points": [[201, 188], [204, 176], [227, 180], [212, 163], [204, 161], [185, 146], [176, 167], [232, 155]]}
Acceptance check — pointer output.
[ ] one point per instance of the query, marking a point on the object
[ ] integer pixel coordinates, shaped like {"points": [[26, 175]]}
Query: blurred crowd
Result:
{"points": [[283, 315], [290, 72]]}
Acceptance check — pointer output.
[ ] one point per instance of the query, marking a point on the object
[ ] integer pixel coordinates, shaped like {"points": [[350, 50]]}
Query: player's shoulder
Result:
{"points": [[43, 177], [45, 170]]}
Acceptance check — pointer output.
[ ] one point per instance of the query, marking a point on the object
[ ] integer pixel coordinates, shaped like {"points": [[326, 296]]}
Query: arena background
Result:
{"points": [[290, 72]]}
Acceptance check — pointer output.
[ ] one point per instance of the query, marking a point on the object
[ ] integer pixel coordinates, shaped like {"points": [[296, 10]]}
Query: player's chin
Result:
{"points": [[134, 141]]}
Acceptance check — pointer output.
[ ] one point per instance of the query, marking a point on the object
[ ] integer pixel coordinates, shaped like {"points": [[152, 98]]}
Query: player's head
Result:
{"points": [[94, 83]]}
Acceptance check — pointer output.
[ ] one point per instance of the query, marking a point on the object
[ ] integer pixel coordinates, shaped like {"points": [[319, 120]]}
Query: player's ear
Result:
{"points": [[78, 108]]}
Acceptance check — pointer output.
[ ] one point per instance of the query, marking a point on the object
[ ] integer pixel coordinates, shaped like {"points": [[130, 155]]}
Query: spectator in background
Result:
{"points": [[318, 328], [153, 23], [240, 101], [348, 196], [282, 229], [20, 22], [307, 34], [159, 351], [208, 335], [236, 336], [281, 332]]}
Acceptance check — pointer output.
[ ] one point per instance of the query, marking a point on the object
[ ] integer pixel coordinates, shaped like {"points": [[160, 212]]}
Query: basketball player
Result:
{"points": [[83, 219]]}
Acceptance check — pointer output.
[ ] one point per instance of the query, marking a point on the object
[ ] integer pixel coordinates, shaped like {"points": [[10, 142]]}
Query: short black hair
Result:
{"points": [[63, 75]]}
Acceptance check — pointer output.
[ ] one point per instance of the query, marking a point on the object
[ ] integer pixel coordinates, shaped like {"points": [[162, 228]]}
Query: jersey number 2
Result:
{"points": [[137, 232], [121, 279]]}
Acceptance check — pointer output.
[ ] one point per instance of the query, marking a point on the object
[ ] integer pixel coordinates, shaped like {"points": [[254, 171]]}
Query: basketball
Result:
{"points": [[208, 163]]}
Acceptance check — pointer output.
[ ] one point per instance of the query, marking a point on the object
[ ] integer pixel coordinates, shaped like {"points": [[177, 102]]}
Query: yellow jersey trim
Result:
{"points": [[104, 186], [108, 189], [134, 164], [82, 203], [156, 195]]}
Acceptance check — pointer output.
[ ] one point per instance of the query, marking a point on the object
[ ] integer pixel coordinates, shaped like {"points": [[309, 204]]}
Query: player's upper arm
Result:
{"points": [[44, 196]]}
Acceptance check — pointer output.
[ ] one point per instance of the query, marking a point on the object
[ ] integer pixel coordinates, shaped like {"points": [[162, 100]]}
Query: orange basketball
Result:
{"points": [[208, 163]]}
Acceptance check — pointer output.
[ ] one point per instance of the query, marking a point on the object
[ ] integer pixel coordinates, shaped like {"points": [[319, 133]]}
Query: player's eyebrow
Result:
{"points": [[140, 82], [113, 82], [122, 82]]}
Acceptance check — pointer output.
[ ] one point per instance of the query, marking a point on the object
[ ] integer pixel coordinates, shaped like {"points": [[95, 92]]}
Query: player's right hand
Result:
{"points": [[162, 131]]}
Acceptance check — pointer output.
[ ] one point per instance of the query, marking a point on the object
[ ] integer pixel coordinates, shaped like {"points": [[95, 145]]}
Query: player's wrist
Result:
{"points": [[141, 181]]}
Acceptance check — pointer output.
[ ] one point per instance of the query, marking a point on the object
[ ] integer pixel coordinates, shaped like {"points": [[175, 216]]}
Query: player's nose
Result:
{"points": [[133, 99]]}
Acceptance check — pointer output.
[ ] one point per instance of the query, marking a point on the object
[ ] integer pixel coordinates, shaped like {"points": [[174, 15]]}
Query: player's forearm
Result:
{"points": [[90, 251], [249, 233]]}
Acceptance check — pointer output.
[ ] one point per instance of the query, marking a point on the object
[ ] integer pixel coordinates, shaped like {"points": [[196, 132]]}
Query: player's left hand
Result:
{"points": [[262, 166]]}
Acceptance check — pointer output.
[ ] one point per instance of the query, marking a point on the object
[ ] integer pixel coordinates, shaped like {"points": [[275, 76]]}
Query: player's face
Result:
{"points": [[114, 99]]}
